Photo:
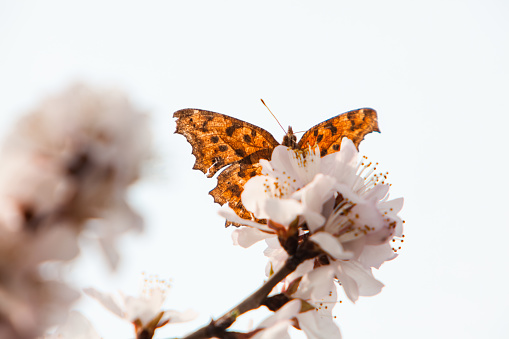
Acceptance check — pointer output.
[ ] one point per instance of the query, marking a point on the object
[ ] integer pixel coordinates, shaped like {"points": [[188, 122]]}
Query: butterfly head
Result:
{"points": [[290, 140]]}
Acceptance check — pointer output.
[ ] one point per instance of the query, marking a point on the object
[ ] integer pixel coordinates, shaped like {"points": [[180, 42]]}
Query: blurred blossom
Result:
{"points": [[29, 304], [145, 311], [76, 326], [65, 166], [70, 161]]}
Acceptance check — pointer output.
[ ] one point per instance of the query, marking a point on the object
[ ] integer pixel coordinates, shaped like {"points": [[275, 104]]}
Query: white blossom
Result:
{"points": [[145, 311], [339, 200], [70, 161], [76, 326]]}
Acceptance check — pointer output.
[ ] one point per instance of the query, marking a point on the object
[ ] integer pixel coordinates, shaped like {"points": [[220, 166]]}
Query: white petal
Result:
{"points": [[287, 312], [349, 285], [266, 166], [331, 245], [279, 331], [283, 160], [106, 300], [304, 268], [375, 256], [394, 205], [343, 164], [247, 236], [368, 214], [313, 197], [314, 220], [348, 153], [318, 326], [255, 193], [229, 214], [357, 280], [377, 193], [179, 317], [144, 307], [282, 211], [306, 164], [75, 327], [318, 286], [276, 254]]}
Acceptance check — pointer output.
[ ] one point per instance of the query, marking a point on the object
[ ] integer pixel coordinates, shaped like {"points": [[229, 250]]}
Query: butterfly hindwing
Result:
{"points": [[231, 181], [328, 134]]}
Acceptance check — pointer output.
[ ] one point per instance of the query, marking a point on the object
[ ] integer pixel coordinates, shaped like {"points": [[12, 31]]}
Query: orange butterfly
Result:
{"points": [[221, 141]]}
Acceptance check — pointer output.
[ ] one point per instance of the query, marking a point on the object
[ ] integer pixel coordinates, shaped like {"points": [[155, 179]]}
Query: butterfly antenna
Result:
{"points": [[263, 102], [299, 132]]}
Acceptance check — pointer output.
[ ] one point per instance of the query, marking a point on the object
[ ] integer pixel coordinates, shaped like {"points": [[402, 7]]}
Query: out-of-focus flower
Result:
{"points": [[145, 311], [71, 160], [75, 327], [28, 303], [337, 201], [66, 163]]}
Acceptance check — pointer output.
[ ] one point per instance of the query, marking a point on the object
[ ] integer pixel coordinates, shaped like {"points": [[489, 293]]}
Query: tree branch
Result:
{"points": [[218, 328]]}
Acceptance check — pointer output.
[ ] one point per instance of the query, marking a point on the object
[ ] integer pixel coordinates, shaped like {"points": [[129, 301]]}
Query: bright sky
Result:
{"points": [[436, 72]]}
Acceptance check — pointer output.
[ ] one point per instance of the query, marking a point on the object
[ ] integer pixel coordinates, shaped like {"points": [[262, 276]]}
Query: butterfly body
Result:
{"points": [[220, 141], [290, 140]]}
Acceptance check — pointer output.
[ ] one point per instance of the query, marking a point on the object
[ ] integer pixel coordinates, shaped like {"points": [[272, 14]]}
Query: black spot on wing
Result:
{"points": [[229, 130], [240, 153]]}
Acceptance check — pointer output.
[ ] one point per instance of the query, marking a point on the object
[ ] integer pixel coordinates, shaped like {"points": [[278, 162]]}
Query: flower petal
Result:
{"points": [[75, 327], [106, 300], [318, 327], [287, 312], [375, 256], [357, 280], [331, 245], [282, 211], [179, 317], [313, 196], [247, 236], [279, 330], [229, 214]]}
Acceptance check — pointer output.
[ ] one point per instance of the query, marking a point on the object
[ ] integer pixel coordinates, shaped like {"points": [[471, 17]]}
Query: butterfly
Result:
{"points": [[220, 141]]}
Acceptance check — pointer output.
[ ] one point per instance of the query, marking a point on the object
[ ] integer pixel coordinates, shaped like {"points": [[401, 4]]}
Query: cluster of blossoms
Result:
{"points": [[64, 168], [334, 214]]}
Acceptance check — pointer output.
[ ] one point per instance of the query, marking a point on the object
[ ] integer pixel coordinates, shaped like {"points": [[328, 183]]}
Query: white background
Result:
{"points": [[436, 71]]}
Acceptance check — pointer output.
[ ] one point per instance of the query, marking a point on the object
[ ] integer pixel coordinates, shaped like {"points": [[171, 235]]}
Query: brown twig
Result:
{"points": [[218, 328]]}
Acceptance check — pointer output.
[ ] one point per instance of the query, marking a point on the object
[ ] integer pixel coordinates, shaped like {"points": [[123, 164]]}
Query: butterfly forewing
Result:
{"points": [[328, 134], [219, 140]]}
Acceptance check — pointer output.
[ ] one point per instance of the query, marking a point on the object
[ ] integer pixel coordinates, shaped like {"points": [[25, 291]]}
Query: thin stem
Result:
{"points": [[217, 328]]}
